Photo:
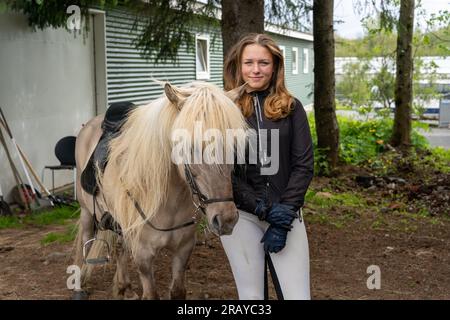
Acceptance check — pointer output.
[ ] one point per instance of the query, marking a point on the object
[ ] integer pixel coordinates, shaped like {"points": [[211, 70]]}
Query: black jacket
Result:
{"points": [[296, 163]]}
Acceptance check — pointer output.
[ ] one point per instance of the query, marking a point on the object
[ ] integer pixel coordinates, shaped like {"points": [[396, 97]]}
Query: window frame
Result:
{"points": [[295, 66], [305, 60], [202, 75], [283, 52]]}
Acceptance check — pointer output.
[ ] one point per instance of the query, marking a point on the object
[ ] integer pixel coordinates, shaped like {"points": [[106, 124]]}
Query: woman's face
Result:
{"points": [[257, 67]]}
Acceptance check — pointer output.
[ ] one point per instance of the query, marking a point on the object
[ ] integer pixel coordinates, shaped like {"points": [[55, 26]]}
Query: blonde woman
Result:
{"points": [[270, 227]]}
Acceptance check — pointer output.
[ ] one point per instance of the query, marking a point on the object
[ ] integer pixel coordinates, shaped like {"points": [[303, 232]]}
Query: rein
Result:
{"points": [[201, 205]]}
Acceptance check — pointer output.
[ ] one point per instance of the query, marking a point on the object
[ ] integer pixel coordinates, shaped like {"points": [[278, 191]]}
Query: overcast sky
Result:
{"points": [[351, 27]]}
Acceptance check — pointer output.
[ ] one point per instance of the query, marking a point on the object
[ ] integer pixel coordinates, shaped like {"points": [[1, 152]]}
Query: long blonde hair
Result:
{"points": [[140, 157], [279, 102]]}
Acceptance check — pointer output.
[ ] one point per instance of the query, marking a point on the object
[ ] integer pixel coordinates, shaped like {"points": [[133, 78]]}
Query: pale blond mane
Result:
{"points": [[140, 157]]}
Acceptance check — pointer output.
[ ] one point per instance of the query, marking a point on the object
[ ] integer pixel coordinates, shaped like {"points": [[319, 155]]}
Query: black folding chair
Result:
{"points": [[65, 153]]}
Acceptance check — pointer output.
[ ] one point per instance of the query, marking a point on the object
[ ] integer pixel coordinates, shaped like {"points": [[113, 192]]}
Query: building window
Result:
{"points": [[202, 57], [294, 60], [283, 53], [305, 61]]}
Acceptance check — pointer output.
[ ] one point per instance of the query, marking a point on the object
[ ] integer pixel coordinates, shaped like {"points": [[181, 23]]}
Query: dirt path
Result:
{"points": [[414, 265]]}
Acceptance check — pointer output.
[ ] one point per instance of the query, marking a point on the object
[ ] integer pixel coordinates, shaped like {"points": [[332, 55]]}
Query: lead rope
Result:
{"points": [[276, 283]]}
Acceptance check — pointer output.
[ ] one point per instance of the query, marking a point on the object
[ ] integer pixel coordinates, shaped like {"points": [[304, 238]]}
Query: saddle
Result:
{"points": [[115, 117]]}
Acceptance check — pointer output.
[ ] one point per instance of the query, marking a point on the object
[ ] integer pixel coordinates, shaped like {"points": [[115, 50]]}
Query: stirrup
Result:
{"points": [[100, 260]]}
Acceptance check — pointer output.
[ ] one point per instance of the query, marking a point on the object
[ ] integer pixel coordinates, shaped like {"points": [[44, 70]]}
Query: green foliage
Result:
{"points": [[167, 25], [417, 139], [361, 141], [430, 43], [380, 42], [439, 34], [355, 86], [384, 82], [440, 159], [292, 14], [363, 91], [424, 93], [371, 45], [202, 225]]}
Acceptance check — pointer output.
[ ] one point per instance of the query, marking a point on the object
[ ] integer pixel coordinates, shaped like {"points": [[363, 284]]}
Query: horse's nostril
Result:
{"points": [[216, 223]]}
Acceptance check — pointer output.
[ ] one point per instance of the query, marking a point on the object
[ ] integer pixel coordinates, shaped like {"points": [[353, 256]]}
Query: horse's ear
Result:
{"points": [[236, 93], [174, 95]]}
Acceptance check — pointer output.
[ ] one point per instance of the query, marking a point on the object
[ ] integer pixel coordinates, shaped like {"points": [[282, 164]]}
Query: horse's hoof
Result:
{"points": [[130, 295], [125, 294], [80, 295]]}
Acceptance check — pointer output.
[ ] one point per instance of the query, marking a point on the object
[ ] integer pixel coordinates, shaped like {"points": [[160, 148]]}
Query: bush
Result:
{"points": [[361, 142]]}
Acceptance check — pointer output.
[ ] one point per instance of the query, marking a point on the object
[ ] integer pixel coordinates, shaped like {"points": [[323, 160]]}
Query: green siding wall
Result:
{"points": [[129, 76], [301, 85]]}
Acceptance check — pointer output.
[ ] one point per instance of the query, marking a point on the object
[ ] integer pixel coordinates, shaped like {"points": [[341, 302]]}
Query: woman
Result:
{"points": [[270, 226]]}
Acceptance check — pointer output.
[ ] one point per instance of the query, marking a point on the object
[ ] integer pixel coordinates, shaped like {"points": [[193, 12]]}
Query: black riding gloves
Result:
{"points": [[262, 209], [274, 239], [281, 215], [280, 218]]}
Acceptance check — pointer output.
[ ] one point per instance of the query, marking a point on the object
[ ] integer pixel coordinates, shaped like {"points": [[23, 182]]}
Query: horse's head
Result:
{"points": [[212, 192], [212, 113]]}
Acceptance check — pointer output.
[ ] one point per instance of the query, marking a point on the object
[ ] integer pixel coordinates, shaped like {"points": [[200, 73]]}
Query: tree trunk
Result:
{"points": [[324, 82], [401, 135], [240, 17]]}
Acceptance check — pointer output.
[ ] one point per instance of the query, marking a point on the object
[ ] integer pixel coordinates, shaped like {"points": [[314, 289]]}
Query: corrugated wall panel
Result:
{"points": [[301, 85], [129, 76]]}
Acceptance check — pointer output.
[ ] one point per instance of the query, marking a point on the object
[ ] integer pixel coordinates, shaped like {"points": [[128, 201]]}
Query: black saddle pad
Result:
{"points": [[115, 117]]}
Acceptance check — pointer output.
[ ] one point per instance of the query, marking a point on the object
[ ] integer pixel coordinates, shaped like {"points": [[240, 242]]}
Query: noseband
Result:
{"points": [[203, 200], [200, 205]]}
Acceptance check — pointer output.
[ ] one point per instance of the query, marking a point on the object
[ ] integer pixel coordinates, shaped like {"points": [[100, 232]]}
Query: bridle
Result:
{"points": [[203, 200], [200, 205]]}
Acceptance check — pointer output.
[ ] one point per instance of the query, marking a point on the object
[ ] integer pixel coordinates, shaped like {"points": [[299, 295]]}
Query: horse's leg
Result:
{"points": [[85, 233], [145, 262], [87, 225], [179, 265], [122, 288]]}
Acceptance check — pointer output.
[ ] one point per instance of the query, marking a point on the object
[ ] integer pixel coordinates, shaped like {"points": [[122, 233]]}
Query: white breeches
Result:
{"points": [[245, 253]]}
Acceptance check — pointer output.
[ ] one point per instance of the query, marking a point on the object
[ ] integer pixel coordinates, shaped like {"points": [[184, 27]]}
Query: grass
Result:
{"points": [[344, 209], [64, 215], [61, 237], [9, 222], [328, 200], [58, 215], [440, 158], [336, 209]]}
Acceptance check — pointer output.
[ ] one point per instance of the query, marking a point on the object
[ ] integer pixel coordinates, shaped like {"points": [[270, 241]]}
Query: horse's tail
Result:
{"points": [[98, 248]]}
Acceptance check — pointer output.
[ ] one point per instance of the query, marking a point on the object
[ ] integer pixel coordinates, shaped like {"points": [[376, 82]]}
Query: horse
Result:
{"points": [[154, 200]]}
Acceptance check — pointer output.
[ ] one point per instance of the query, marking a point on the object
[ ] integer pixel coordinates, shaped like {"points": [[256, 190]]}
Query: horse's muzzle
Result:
{"points": [[223, 224]]}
